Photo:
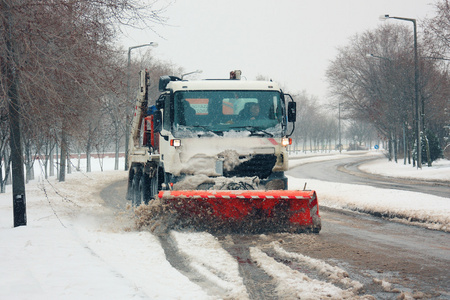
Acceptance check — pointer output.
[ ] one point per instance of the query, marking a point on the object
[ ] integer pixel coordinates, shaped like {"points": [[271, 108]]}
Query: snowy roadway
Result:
{"points": [[350, 170], [77, 247]]}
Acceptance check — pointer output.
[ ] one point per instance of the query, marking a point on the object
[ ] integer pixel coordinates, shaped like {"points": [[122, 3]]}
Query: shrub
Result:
{"points": [[435, 148]]}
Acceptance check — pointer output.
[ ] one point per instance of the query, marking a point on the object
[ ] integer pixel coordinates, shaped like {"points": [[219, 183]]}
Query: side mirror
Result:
{"points": [[160, 102], [157, 121], [292, 112], [163, 82]]}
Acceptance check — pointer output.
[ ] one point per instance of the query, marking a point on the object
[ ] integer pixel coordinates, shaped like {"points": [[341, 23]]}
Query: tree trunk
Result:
{"points": [[116, 155], [7, 179], [28, 163], [69, 163], [427, 148], [9, 71], [79, 160], [7, 167], [48, 162], [390, 148], [52, 162], [62, 163], [408, 145], [395, 149], [2, 185], [18, 180], [88, 154]]}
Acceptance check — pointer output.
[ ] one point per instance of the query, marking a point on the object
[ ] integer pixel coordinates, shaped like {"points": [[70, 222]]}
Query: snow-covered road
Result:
{"points": [[76, 247]]}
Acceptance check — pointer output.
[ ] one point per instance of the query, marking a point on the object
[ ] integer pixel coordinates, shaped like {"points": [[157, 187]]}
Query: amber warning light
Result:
{"points": [[286, 142]]}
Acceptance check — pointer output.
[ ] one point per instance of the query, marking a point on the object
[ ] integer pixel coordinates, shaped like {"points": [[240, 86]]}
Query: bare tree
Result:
{"points": [[437, 46], [437, 31], [52, 54], [5, 161], [379, 88]]}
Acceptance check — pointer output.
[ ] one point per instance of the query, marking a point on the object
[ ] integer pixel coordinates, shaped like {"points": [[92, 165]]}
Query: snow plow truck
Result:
{"points": [[215, 152]]}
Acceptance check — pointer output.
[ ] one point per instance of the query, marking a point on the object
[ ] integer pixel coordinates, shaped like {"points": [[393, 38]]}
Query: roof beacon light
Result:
{"points": [[236, 74]]}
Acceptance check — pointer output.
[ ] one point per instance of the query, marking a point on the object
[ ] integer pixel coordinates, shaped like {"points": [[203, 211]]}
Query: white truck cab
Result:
{"points": [[207, 133]]}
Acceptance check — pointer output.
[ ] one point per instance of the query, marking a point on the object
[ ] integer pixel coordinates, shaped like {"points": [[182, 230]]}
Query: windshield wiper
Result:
{"points": [[199, 126], [207, 129], [254, 130]]}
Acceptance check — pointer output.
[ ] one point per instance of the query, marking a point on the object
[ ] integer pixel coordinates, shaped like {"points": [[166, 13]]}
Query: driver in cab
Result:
{"points": [[254, 111]]}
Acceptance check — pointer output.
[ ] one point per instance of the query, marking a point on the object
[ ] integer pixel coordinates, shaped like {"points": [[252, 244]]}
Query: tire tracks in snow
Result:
{"points": [[181, 263], [280, 274], [200, 257], [258, 283], [254, 267]]}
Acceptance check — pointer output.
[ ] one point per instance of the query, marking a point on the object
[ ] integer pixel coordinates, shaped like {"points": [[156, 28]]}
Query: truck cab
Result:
{"points": [[213, 134]]}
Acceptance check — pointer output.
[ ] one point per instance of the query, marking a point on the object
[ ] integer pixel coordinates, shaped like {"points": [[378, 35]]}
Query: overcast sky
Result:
{"points": [[289, 41]]}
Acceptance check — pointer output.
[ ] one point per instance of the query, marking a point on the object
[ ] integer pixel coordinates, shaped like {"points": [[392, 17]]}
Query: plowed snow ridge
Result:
{"points": [[295, 285]]}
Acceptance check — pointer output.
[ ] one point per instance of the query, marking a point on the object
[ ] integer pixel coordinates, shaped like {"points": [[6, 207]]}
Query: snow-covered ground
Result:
{"points": [[421, 209], [75, 247]]}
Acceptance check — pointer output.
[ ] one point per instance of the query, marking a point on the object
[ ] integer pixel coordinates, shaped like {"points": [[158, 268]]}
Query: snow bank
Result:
{"points": [[440, 169], [75, 247], [432, 211]]}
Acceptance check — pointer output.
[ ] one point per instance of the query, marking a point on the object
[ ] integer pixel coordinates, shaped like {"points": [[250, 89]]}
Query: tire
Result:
{"points": [[136, 197], [129, 195], [144, 189], [154, 186]]}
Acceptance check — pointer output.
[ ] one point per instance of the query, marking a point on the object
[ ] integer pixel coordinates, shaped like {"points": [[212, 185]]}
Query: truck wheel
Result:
{"points": [[135, 189], [153, 193], [129, 195], [144, 189]]}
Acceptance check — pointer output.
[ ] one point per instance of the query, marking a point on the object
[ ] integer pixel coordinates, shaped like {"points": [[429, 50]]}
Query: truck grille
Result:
{"points": [[260, 165]]}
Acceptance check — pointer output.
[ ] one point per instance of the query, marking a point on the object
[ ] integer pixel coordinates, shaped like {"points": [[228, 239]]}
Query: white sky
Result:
{"points": [[291, 42]]}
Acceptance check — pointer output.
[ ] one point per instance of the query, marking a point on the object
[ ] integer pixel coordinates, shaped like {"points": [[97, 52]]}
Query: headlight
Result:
{"points": [[175, 142]]}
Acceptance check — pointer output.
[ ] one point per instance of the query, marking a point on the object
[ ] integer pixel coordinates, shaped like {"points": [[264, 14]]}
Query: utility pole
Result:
{"points": [[17, 171]]}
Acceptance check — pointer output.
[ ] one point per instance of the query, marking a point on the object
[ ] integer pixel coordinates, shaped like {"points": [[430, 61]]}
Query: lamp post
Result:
{"points": [[376, 56], [127, 125], [194, 72], [416, 86], [340, 142]]}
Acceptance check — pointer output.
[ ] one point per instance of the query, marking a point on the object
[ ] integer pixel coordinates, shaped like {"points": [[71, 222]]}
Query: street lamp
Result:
{"points": [[416, 86], [376, 56], [194, 72], [127, 125]]}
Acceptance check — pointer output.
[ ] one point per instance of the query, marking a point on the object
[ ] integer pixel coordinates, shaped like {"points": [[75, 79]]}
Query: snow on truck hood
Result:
{"points": [[200, 155], [214, 146]]}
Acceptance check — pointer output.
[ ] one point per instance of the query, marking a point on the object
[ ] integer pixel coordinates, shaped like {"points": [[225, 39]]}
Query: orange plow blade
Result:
{"points": [[256, 210]]}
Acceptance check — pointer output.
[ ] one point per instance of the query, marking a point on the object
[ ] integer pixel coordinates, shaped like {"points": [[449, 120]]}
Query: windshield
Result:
{"points": [[221, 111]]}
